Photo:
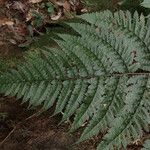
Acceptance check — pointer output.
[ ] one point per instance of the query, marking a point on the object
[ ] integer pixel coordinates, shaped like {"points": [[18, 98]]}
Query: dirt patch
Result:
{"points": [[23, 130], [20, 132]]}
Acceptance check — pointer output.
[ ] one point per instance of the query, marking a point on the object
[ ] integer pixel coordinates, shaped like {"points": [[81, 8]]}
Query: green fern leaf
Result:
{"points": [[100, 76], [146, 3], [146, 145], [131, 115], [131, 29]]}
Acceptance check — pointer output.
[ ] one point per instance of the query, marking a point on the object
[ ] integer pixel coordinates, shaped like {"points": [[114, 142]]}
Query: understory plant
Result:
{"points": [[101, 77]]}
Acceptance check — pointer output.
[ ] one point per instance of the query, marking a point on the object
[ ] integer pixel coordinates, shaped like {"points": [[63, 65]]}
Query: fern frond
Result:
{"points": [[111, 104], [131, 29], [95, 77], [146, 4], [146, 145], [130, 117]]}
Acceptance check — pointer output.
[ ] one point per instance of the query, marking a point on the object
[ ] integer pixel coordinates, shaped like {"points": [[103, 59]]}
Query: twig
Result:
{"points": [[131, 74], [12, 131], [32, 116], [38, 32]]}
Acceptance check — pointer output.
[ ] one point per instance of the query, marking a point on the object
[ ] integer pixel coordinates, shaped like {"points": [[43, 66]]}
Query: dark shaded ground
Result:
{"points": [[26, 131], [35, 133]]}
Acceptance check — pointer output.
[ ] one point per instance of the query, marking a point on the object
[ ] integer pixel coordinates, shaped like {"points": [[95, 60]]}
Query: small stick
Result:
{"points": [[32, 116], [12, 131]]}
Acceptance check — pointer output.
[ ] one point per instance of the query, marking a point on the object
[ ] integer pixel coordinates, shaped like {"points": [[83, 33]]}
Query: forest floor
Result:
{"points": [[20, 128], [23, 129]]}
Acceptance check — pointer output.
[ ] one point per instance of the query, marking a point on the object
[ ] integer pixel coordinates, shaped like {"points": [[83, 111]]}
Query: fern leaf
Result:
{"points": [[76, 99], [132, 29], [130, 115], [112, 104], [146, 145], [90, 104], [95, 76], [146, 3]]}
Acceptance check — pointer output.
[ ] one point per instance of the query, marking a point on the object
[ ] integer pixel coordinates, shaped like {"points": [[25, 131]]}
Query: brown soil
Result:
{"points": [[23, 131]]}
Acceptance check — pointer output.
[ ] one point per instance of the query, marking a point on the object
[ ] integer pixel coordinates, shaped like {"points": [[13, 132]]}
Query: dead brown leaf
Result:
{"points": [[57, 16], [58, 2], [29, 15], [19, 6], [35, 1], [67, 6], [2, 2], [6, 21]]}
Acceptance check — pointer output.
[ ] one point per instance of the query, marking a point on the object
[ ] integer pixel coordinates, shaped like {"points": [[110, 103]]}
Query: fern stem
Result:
{"points": [[80, 77]]}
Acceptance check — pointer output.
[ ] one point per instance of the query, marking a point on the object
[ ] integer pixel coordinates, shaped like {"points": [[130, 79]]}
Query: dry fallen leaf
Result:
{"points": [[35, 1], [2, 2], [58, 2], [84, 10], [57, 16], [19, 6], [12, 41], [137, 142], [67, 6], [6, 21], [29, 15], [20, 30]]}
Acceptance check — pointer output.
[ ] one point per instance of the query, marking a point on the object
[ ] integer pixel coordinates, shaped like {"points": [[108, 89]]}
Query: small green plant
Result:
{"points": [[49, 6], [102, 77], [38, 19]]}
